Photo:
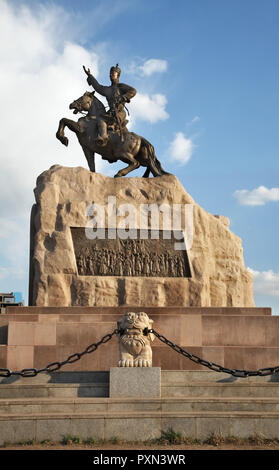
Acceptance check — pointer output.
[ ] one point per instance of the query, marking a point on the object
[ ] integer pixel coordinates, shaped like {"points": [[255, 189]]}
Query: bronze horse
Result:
{"points": [[127, 146]]}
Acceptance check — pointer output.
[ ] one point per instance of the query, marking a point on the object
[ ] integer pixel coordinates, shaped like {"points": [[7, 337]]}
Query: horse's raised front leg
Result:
{"points": [[72, 125]]}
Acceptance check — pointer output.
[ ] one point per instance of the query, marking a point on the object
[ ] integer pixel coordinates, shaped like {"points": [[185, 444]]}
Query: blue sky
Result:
{"points": [[206, 73]]}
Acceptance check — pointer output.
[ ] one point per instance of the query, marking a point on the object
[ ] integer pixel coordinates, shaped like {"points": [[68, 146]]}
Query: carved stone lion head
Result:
{"points": [[136, 324]]}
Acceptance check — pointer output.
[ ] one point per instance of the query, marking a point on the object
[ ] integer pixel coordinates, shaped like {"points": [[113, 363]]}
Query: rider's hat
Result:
{"points": [[115, 69]]}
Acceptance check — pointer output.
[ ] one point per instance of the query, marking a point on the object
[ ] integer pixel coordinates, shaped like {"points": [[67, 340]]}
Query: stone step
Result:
{"points": [[63, 377], [220, 390], [32, 406], [205, 389], [44, 390], [173, 384], [207, 375], [195, 403], [167, 376], [136, 425]]}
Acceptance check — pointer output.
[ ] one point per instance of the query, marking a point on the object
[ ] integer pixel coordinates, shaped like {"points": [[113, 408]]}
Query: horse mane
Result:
{"points": [[99, 105]]}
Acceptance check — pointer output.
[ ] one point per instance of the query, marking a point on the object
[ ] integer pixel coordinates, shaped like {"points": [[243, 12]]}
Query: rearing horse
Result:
{"points": [[128, 147]]}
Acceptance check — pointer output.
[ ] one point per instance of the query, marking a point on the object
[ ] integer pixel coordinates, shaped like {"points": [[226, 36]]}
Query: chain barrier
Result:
{"points": [[54, 366], [213, 365]]}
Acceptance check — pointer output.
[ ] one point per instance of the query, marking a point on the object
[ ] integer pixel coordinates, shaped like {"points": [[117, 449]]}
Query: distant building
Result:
{"points": [[6, 300]]}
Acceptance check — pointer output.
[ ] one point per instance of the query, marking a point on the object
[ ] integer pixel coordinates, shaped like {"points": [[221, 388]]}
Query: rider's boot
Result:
{"points": [[102, 140]]}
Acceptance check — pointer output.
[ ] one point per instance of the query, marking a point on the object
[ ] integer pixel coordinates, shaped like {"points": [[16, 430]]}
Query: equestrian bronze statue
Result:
{"points": [[105, 132]]}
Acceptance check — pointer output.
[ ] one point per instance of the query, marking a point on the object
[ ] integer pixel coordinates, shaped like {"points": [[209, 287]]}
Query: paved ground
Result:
{"points": [[167, 447]]}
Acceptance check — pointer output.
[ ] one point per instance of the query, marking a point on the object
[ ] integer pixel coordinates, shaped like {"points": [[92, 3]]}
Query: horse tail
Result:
{"points": [[153, 162]]}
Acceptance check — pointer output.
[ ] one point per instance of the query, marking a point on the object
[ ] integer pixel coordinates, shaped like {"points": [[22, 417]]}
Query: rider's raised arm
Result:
{"points": [[103, 90]]}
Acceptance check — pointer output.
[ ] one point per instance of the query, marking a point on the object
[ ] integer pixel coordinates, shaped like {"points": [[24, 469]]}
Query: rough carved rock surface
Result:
{"points": [[218, 273]]}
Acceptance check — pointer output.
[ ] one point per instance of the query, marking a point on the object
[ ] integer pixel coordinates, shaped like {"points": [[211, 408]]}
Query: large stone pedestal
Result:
{"points": [[63, 270]]}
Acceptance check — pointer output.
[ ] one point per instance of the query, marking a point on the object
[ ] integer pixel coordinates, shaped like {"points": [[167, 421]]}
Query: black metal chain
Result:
{"points": [[213, 365], [54, 366]]}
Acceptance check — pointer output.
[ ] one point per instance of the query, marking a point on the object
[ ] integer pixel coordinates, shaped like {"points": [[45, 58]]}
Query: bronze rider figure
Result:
{"points": [[117, 95]]}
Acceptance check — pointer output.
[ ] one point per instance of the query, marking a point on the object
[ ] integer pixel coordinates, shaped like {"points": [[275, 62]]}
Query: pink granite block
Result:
{"points": [[21, 333], [21, 317], [235, 357], [212, 330], [255, 330], [109, 356], [106, 356], [64, 352], [272, 331], [167, 325], [29, 334], [93, 332], [67, 334], [68, 318], [191, 330], [165, 358], [213, 354], [88, 318], [45, 334], [243, 331], [44, 355], [188, 364], [48, 318], [271, 357], [20, 357], [234, 333], [247, 358]]}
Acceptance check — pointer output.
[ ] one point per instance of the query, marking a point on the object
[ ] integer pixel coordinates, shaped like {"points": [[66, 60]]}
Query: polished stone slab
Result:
{"points": [[136, 382]]}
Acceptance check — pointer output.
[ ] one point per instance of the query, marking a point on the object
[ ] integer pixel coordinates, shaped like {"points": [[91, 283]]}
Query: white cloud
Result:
{"points": [[40, 74], [195, 119], [141, 67], [181, 148], [149, 108], [257, 197], [265, 282], [153, 65]]}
